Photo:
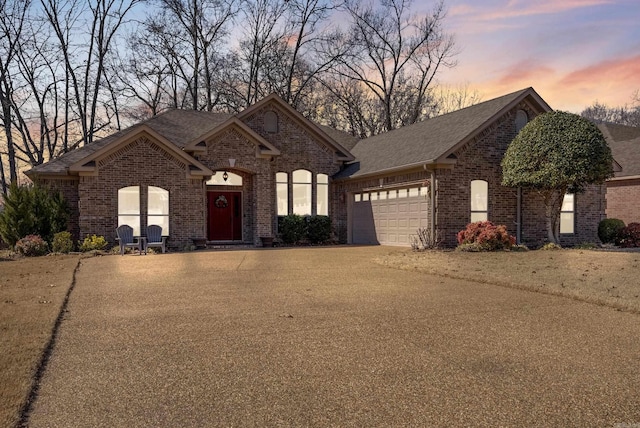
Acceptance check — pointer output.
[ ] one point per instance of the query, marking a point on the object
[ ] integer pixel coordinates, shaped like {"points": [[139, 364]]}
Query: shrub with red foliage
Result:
{"points": [[487, 236], [32, 246], [630, 236]]}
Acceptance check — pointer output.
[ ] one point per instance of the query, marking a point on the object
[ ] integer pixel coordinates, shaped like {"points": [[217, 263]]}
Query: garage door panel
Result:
{"points": [[389, 221]]}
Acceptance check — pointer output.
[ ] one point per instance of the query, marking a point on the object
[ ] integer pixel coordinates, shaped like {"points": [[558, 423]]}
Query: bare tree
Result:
{"points": [[396, 56], [624, 115], [85, 64], [448, 98], [12, 20], [263, 34], [179, 48], [306, 30]]}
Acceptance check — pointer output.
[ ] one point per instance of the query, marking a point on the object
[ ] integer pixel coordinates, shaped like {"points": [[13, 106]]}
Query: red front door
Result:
{"points": [[225, 216]]}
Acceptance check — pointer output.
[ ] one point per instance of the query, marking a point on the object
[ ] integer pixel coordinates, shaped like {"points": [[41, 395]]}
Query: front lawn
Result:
{"points": [[32, 291], [603, 277]]}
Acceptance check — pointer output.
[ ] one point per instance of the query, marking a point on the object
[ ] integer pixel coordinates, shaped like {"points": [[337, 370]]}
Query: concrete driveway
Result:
{"points": [[317, 337]]}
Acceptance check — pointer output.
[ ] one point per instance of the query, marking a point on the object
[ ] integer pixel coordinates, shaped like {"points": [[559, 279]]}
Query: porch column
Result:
{"points": [[264, 206]]}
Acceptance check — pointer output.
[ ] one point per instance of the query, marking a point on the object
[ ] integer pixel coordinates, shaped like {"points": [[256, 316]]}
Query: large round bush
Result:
{"points": [[609, 230]]}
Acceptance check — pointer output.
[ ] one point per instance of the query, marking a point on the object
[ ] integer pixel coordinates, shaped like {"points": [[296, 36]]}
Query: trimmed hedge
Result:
{"points": [[295, 229], [609, 230]]}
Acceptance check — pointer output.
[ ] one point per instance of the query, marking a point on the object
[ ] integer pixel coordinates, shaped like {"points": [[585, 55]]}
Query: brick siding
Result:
{"points": [[94, 198], [623, 200], [142, 163], [480, 159]]}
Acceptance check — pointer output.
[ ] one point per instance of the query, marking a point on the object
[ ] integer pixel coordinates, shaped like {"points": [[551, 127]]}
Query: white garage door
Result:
{"points": [[389, 217]]}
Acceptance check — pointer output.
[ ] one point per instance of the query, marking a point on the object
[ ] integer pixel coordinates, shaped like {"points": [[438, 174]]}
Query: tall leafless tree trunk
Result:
{"points": [[12, 20], [396, 57], [85, 80]]}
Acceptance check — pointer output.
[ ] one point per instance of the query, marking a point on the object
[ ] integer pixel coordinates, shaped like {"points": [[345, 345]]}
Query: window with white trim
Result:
{"points": [[282, 193], [129, 208], [158, 208], [479, 200], [322, 194], [301, 181], [568, 214]]}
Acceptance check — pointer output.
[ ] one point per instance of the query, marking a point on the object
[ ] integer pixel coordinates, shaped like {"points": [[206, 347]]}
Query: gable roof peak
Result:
{"points": [[342, 154]]}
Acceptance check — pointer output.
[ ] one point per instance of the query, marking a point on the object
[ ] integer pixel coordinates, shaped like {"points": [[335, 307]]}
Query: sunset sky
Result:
{"points": [[572, 52]]}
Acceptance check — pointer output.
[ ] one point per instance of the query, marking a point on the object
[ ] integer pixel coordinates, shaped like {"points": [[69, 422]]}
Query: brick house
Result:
{"points": [[623, 190], [227, 178]]}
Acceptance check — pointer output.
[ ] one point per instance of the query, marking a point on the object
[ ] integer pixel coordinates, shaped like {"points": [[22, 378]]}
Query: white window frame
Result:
{"points": [[479, 200], [568, 214], [129, 208], [158, 210], [301, 181], [282, 193], [322, 194]]}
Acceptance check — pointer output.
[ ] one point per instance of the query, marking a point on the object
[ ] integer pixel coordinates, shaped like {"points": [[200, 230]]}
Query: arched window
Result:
{"points": [[479, 200], [521, 120], [301, 180], [158, 208], [271, 122], [322, 194], [129, 208], [282, 193], [225, 178]]}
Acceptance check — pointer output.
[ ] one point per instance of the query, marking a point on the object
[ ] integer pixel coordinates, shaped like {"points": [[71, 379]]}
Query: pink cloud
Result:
{"points": [[606, 73], [519, 8], [611, 82]]}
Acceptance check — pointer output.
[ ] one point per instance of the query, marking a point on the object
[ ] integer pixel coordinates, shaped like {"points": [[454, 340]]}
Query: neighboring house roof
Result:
{"points": [[433, 140], [624, 142]]}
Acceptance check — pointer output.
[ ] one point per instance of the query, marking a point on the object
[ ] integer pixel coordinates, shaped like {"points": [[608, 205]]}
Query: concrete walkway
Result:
{"points": [[324, 337]]}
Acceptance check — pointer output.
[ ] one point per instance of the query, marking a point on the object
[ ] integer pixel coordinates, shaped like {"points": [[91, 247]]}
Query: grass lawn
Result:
{"points": [[32, 291], [603, 277]]}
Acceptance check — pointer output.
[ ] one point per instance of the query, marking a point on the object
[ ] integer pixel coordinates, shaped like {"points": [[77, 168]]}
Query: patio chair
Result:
{"points": [[155, 238], [126, 238]]}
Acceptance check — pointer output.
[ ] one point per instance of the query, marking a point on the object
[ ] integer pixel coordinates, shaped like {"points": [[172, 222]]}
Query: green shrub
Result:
{"points": [[487, 236], [630, 236], [62, 243], [32, 210], [293, 229], [32, 246], [91, 243], [318, 229], [519, 248], [609, 229]]}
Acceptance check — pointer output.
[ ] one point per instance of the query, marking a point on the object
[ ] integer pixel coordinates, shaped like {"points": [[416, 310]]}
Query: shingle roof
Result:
{"points": [[624, 142], [430, 140], [346, 140], [178, 126]]}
